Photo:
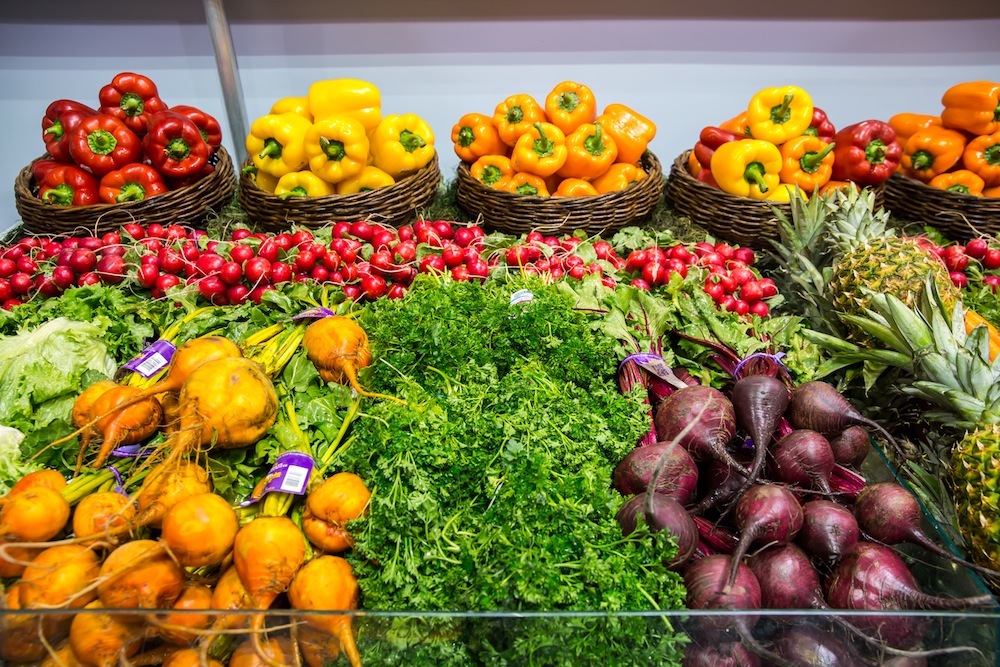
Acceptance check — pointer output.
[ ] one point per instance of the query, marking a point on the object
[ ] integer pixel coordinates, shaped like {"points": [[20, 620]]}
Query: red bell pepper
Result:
{"points": [[102, 143], [211, 131], [866, 153], [712, 137], [174, 145], [133, 182], [59, 120], [821, 126], [69, 185], [41, 167], [178, 183], [131, 98]]}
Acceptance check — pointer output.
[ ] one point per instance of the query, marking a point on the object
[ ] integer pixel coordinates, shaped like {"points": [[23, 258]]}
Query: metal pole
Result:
{"points": [[225, 60]]}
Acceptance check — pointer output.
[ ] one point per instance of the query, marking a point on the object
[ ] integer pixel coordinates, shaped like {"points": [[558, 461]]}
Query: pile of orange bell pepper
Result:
{"points": [[335, 141], [959, 149], [559, 147], [783, 143]]}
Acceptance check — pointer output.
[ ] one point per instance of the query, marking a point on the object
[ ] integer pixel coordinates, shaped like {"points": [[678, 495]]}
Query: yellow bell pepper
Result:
{"points": [[262, 180], [619, 176], [359, 99], [402, 144], [748, 168], [299, 105], [541, 150], [302, 184], [276, 143], [780, 113], [337, 148], [784, 193], [369, 178]]}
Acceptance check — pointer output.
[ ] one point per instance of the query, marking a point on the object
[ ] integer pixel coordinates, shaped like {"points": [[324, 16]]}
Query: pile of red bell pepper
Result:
{"points": [[784, 143], [131, 147]]}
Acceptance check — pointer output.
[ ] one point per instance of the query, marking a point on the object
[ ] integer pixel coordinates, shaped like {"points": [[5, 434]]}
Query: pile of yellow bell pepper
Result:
{"points": [[558, 148], [335, 140], [958, 149]]}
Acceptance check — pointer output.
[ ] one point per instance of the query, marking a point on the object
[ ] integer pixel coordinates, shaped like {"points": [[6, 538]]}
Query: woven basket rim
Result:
{"points": [[220, 185]]}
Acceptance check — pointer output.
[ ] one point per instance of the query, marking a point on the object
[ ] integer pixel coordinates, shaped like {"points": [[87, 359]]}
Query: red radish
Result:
{"points": [[890, 514], [759, 402], [724, 654], [678, 479], [874, 578], [706, 419], [803, 458], [705, 580], [667, 515], [851, 447], [765, 514], [829, 530], [818, 406]]}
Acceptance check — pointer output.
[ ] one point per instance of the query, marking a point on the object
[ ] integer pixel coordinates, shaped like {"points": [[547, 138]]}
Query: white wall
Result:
{"points": [[682, 72]]}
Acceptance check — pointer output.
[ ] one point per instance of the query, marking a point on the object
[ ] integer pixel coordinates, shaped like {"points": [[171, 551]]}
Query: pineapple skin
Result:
{"points": [[975, 464]]}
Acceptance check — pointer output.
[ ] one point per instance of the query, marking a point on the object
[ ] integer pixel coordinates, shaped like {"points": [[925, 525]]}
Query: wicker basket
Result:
{"points": [[185, 205], [960, 217], [740, 220], [394, 205], [519, 214]]}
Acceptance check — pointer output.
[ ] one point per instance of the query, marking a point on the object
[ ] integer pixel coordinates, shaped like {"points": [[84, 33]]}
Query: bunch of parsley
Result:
{"points": [[491, 487]]}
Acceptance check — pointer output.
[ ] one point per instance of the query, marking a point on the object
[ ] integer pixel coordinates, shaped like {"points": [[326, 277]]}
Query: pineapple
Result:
{"points": [[951, 370], [850, 253]]}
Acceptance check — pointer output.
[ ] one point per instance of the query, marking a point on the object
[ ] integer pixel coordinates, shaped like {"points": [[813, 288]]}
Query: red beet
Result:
{"points": [[803, 458], [829, 530], [810, 646], [851, 446], [701, 419], [818, 406], [725, 654], [667, 515], [679, 478], [765, 514], [759, 402]]}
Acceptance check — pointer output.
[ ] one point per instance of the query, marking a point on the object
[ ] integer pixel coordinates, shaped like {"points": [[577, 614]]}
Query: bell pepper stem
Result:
{"points": [[56, 130], [569, 101], [131, 192], [272, 149], [754, 173], [101, 142], [922, 160], [964, 189], [875, 151], [595, 142], [411, 141], [515, 115], [992, 155], [542, 146], [466, 137], [131, 104], [811, 160], [781, 113], [334, 150], [177, 149], [490, 175], [61, 195], [297, 191]]}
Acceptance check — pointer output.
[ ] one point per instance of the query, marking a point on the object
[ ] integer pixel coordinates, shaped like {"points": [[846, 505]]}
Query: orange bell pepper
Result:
{"points": [[589, 152], [982, 156], [631, 131], [569, 105], [992, 193], [492, 170], [807, 162], [932, 151], [575, 187], [960, 180], [831, 186], [905, 125], [515, 116], [541, 150], [973, 106], [973, 320], [523, 183], [475, 135], [737, 124], [694, 167], [619, 176]]}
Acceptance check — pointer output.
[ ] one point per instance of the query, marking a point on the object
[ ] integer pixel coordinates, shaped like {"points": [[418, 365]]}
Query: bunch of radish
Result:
{"points": [[759, 486]]}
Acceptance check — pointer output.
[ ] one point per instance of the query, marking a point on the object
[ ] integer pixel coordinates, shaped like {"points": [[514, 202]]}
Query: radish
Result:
{"points": [[765, 514], [889, 514], [803, 457], [873, 578], [851, 447], [726, 654], [711, 418], [679, 478], [829, 530], [705, 580], [818, 406], [667, 514], [760, 402]]}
